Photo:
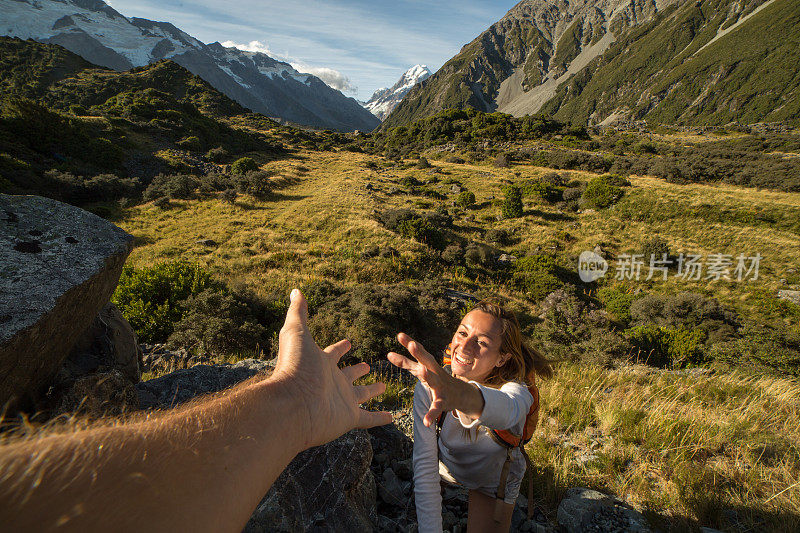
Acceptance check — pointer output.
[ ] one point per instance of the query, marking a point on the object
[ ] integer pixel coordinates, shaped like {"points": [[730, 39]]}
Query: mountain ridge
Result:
{"points": [[599, 61], [384, 100], [101, 35]]}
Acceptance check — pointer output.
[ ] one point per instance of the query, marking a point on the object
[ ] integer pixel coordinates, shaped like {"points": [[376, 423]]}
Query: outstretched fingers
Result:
{"points": [[417, 351], [297, 315], [366, 392], [356, 371], [369, 419], [436, 409], [338, 350]]}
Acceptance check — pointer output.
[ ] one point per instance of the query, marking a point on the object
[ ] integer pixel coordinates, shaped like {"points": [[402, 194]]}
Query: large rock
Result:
{"points": [[183, 385], [58, 266], [100, 373], [326, 488], [586, 510]]}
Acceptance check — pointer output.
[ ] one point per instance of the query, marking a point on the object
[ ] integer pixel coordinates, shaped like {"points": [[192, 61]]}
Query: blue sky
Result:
{"points": [[354, 45]]}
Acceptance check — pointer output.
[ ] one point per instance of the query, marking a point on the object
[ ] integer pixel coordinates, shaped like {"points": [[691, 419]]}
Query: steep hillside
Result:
{"points": [[595, 61]]}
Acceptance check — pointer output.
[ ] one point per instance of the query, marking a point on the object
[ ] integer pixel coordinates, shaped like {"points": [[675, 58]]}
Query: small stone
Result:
{"points": [[206, 242]]}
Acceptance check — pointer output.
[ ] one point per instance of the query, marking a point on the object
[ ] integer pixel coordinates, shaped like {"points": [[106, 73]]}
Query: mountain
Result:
{"points": [[682, 62], [101, 35], [384, 100]]}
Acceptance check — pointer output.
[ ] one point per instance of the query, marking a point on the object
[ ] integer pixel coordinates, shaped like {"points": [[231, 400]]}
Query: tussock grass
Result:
{"points": [[690, 449]]}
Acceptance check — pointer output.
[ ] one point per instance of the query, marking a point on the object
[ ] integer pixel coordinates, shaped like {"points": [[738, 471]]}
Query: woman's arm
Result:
{"points": [[503, 409], [427, 488], [449, 393]]}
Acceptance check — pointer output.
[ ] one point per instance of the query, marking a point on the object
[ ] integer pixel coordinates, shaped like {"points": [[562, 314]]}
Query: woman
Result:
{"points": [[491, 370]]}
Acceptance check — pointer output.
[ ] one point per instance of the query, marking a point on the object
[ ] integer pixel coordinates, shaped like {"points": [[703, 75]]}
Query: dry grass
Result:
{"points": [[689, 449]]}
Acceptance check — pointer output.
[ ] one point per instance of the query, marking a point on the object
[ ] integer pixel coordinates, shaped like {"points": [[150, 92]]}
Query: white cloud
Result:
{"points": [[332, 77], [252, 46]]}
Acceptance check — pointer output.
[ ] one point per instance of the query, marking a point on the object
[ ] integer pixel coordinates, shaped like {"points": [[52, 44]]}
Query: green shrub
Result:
{"points": [[191, 143], [655, 247], [554, 179], [465, 198], [617, 302], [615, 180], [665, 346], [370, 317], [536, 276], [571, 194], [478, 255], [497, 236], [423, 163], [600, 193], [217, 155], [228, 196], [540, 190], [243, 165], [180, 186], [414, 226], [150, 298], [255, 183], [512, 202], [761, 347], [217, 322], [453, 254]]}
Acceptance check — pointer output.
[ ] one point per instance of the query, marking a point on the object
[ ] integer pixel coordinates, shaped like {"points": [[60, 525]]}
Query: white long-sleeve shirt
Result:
{"points": [[475, 461]]}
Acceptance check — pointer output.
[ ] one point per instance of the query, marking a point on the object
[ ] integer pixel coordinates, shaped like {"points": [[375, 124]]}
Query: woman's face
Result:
{"points": [[476, 346]]}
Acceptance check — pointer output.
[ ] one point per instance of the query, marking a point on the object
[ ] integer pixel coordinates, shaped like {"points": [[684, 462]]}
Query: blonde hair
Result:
{"points": [[526, 362]]}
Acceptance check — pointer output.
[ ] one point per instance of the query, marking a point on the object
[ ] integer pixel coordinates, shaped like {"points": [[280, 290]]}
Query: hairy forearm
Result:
{"points": [[202, 468]]}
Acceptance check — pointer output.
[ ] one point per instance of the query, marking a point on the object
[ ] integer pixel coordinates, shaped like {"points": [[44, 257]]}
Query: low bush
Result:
{"points": [[465, 199], [370, 317], [453, 254], [600, 193], [150, 298], [243, 165], [256, 183], [181, 186], [498, 236], [478, 255], [536, 276], [215, 321], [191, 143], [665, 346], [414, 226], [617, 301], [217, 155], [512, 202]]}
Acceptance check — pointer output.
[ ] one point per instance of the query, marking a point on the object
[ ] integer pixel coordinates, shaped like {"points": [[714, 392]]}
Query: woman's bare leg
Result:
{"points": [[480, 516]]}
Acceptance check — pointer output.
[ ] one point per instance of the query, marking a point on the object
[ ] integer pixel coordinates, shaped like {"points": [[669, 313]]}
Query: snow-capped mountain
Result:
{"points": [[101, 35], [384, 100]]}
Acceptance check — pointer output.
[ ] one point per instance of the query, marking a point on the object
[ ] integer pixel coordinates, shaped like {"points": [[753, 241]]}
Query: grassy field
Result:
{"points": [[690, 448]]}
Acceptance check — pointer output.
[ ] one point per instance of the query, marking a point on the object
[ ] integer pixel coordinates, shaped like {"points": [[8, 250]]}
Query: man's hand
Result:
{"points": [[449, 392], [331, 400]]}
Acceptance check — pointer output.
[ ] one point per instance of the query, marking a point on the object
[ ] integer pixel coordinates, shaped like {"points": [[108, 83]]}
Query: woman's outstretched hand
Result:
{"points": [[449, 392], [330, 398]]}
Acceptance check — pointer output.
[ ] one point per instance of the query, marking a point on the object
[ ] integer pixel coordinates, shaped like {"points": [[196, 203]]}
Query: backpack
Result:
{"points": [[509, 441]]}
